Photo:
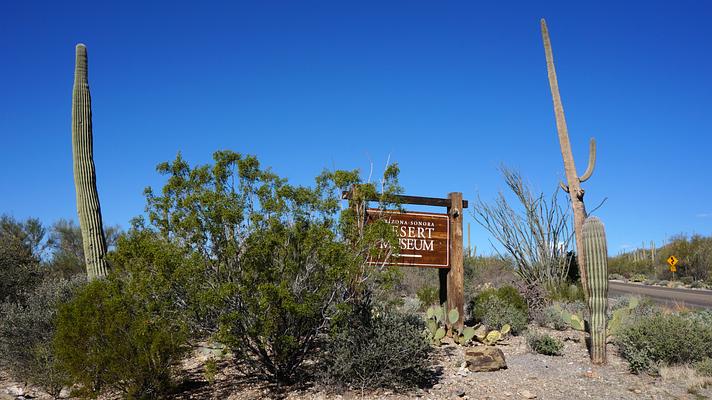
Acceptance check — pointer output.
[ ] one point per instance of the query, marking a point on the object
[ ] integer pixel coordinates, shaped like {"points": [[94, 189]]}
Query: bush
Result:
{"points": [[109, 338], [545, 344], [387, 351], [552, 317], [697, 285], [496, 307], [704, 367], [638, 278], [276, 262], [617, 277], [428, 296], [292, 278], [687, 280], [20, 248], [565, 292], [667, 339], [27, 329]]}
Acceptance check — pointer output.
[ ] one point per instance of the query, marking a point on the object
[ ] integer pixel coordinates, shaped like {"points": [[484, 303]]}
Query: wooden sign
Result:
{"points": [[423, 238]]}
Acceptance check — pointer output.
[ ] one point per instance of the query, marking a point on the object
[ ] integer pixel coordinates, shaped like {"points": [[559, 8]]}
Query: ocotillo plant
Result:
{"points": [[594, 244], [84, 172], [574, 181]]}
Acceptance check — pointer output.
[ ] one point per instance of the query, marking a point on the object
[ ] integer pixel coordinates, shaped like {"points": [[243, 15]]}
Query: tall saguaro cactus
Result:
{"points": [[84, 172], [594, 243], [574, 181]]}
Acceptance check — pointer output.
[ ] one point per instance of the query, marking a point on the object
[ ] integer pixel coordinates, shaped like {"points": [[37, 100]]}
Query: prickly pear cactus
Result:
{"points": [[88, 208], [594, 244]]}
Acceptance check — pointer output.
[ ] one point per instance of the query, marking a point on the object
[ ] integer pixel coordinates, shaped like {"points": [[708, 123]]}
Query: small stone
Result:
{"points": [[507, 394], [459, 392], [637, 391], [527, 394]]}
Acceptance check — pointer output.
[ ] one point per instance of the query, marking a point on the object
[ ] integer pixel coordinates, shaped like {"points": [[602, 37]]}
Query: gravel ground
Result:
{"points": [[528, 375]]}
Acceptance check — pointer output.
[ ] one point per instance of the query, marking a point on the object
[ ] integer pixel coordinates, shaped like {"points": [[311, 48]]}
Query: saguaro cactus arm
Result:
{"points": [[591, 161], [589, 168], [88, 208]]}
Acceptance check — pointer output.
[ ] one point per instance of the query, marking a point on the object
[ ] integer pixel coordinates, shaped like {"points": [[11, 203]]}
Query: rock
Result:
{"points": [[459, 392], [527, 394], [64, 393], [485, 358], [15, 390]]}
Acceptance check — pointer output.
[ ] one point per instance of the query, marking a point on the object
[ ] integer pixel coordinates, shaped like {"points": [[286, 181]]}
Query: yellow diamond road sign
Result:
{"points": [[672, 260]]}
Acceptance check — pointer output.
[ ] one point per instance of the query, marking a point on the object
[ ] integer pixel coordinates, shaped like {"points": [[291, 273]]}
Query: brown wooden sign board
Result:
{"points": [[423, 238]]}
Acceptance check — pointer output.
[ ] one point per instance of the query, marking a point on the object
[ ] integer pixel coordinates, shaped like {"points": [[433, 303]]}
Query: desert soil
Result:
{"points": [[528, 375]]}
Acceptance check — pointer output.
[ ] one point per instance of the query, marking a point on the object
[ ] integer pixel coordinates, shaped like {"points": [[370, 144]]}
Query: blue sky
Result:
{"points": [[449, 90]]}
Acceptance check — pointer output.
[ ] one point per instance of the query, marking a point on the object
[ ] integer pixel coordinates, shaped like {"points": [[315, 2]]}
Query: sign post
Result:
{"points": [[456, 273]]}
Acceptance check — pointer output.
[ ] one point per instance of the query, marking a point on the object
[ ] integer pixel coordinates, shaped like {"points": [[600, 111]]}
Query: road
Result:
{"points": [[663, 295]]}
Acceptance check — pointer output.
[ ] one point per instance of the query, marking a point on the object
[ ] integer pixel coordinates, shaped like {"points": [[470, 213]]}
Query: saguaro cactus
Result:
{"points": [[574, 181], [84, 172], [594, 243]]}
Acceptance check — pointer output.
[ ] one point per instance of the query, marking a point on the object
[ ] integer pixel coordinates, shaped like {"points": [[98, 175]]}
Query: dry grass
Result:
{"points": [[686, 375]]}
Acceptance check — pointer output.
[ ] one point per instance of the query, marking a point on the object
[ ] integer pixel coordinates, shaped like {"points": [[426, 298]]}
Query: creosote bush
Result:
{"points": [[669, 339], [109, 338], [27, 329], [277, 262], [497, 307], [382, 351], [545, 344], [428, 296], [704, 367]]}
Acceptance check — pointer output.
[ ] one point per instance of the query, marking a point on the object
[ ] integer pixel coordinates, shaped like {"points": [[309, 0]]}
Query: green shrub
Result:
{"points": [[20, 248], [565, 292], [428, 296], [292, 278], [497, 307], [663, 283], [704, 367], [664, 338], [638, 278], [544, 344], [496, 312], [276, 262], [697, 285], [617, 277], [387, 351], [111, 339], [27, 329], [687, 280], [552, 317]]}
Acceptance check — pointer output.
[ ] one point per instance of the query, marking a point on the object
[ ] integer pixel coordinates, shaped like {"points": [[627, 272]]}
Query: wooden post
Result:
{"points": [[456, 273]]}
